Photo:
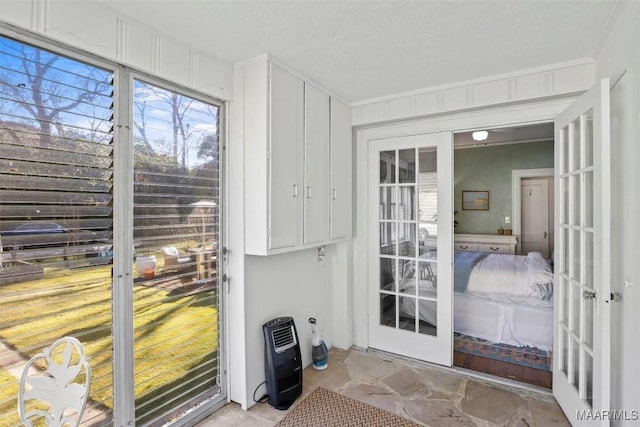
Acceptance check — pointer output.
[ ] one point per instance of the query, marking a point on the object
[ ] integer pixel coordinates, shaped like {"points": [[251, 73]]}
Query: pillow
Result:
{"points": [[539, 277]]}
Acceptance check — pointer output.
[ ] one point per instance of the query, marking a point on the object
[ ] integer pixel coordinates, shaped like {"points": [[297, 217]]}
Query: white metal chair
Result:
{"points": [[58, 394]]}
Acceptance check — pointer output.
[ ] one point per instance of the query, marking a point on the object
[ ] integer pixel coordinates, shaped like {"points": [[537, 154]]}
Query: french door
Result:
{"points": [[582, 303], [410, 219]]}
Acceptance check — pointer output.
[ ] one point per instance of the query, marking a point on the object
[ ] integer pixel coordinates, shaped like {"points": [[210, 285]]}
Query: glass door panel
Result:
{"points": [[176, 232], [581, 350], [411, 298]]}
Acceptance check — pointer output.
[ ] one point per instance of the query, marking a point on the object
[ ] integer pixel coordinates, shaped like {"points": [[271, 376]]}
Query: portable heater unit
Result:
{"points": [[283, 363]]}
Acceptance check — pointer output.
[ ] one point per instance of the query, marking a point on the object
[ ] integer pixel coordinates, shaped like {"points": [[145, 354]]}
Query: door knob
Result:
{"points": [[589, 295]]}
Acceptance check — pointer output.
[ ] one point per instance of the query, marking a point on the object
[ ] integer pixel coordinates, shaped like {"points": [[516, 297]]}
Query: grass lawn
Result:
{"points": [[8, 403], [175, 335]]}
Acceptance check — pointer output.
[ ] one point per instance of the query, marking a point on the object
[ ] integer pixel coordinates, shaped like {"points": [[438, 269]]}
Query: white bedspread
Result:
{"points": [[508, 300], [500, 318], [517, 275]]}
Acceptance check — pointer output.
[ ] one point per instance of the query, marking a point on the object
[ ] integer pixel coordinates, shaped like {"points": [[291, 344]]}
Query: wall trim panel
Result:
{"points": [[557, 81], [116, 37]]}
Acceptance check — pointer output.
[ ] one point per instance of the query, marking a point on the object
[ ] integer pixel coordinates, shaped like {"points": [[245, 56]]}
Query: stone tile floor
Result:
{"points": [[429, 395]]}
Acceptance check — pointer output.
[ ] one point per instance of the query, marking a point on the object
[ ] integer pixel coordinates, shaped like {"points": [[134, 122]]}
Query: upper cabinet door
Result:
{"points": [[316, 165], [340, 220], [285, 158], [287, 127]]}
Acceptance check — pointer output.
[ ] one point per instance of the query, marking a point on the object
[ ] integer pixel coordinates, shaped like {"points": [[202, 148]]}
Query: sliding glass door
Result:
{"points": [[110, 232], [175, 237]]}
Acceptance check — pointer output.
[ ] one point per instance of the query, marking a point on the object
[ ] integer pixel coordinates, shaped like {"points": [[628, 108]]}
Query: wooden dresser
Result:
{"points": [[494, 243]]}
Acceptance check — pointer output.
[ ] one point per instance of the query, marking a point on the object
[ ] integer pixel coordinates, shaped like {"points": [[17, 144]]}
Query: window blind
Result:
{"points": [[176, 202], [56, 168]]}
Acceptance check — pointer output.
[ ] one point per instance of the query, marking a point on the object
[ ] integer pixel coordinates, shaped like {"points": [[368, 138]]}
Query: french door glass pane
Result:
{"points": [[407, 166], [387, 202], [576, 300], [430, 309], [588, 323], [588, 139], [387, 238], [388, 310], [428, 279], [565, 133], [564, 209], [176, 298], [388, 274], [388, 167], [574, 150], [564, 351], [407, 243], [588, 199], [566, 242], [406, 202], [589, 261], [564, 300], [56, 186], [575, 201], [589, 378], [575, 363]]}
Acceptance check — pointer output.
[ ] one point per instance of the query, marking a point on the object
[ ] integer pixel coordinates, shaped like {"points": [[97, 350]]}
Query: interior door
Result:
{"points": [[410, 248], [582, 263], [534, 228]]}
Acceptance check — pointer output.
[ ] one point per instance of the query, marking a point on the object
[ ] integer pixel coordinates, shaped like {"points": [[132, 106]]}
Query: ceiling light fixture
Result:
{"points": [[480, 135]]}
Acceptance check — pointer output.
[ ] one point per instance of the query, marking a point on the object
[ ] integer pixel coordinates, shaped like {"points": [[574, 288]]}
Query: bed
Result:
{"points": [[501, 298]]}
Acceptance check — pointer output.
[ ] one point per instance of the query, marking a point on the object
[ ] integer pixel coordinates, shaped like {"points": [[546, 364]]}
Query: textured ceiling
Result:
{"points": [[362, 50]]}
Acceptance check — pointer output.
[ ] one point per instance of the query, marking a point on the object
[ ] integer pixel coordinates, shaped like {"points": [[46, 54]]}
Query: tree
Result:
{"points": [[51, 92]]}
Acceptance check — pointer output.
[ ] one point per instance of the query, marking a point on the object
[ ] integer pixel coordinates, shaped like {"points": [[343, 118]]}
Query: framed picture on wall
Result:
{"points": [[475, 200]]}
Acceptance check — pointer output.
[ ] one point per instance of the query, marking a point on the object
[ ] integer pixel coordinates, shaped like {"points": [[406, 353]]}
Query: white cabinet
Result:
{"points": [[341, 154], [284, 158], [316, 165], [493, 243], [297, 174]]}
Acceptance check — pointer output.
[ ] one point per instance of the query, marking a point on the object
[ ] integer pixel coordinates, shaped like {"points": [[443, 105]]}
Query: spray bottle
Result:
{"points": [[319, 352]]}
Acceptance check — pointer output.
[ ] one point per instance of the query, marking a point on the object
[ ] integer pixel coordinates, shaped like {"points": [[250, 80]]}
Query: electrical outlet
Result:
{"points": [[507, 220]]}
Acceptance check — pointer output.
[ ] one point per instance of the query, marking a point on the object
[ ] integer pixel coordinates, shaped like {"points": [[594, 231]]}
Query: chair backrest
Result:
{"points": [[58, 394]]}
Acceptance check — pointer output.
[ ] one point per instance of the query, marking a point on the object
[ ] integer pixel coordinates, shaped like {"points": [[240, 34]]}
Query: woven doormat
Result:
{"points": [[325, 408]]}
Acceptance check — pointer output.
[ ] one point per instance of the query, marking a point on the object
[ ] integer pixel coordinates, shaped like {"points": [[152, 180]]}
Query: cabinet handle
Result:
{"points": [[335, 194], [295, 190], [308, 192], [463, 246], [494, 249]]}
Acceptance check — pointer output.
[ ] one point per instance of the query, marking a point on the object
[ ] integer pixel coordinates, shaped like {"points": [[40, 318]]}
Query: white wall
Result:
{"points": [[619, 52], [294, 284], [100, 30]]}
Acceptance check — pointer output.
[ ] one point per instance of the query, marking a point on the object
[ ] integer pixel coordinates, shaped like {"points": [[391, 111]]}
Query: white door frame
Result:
{"points": [[527, 113], [516, 178]]}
